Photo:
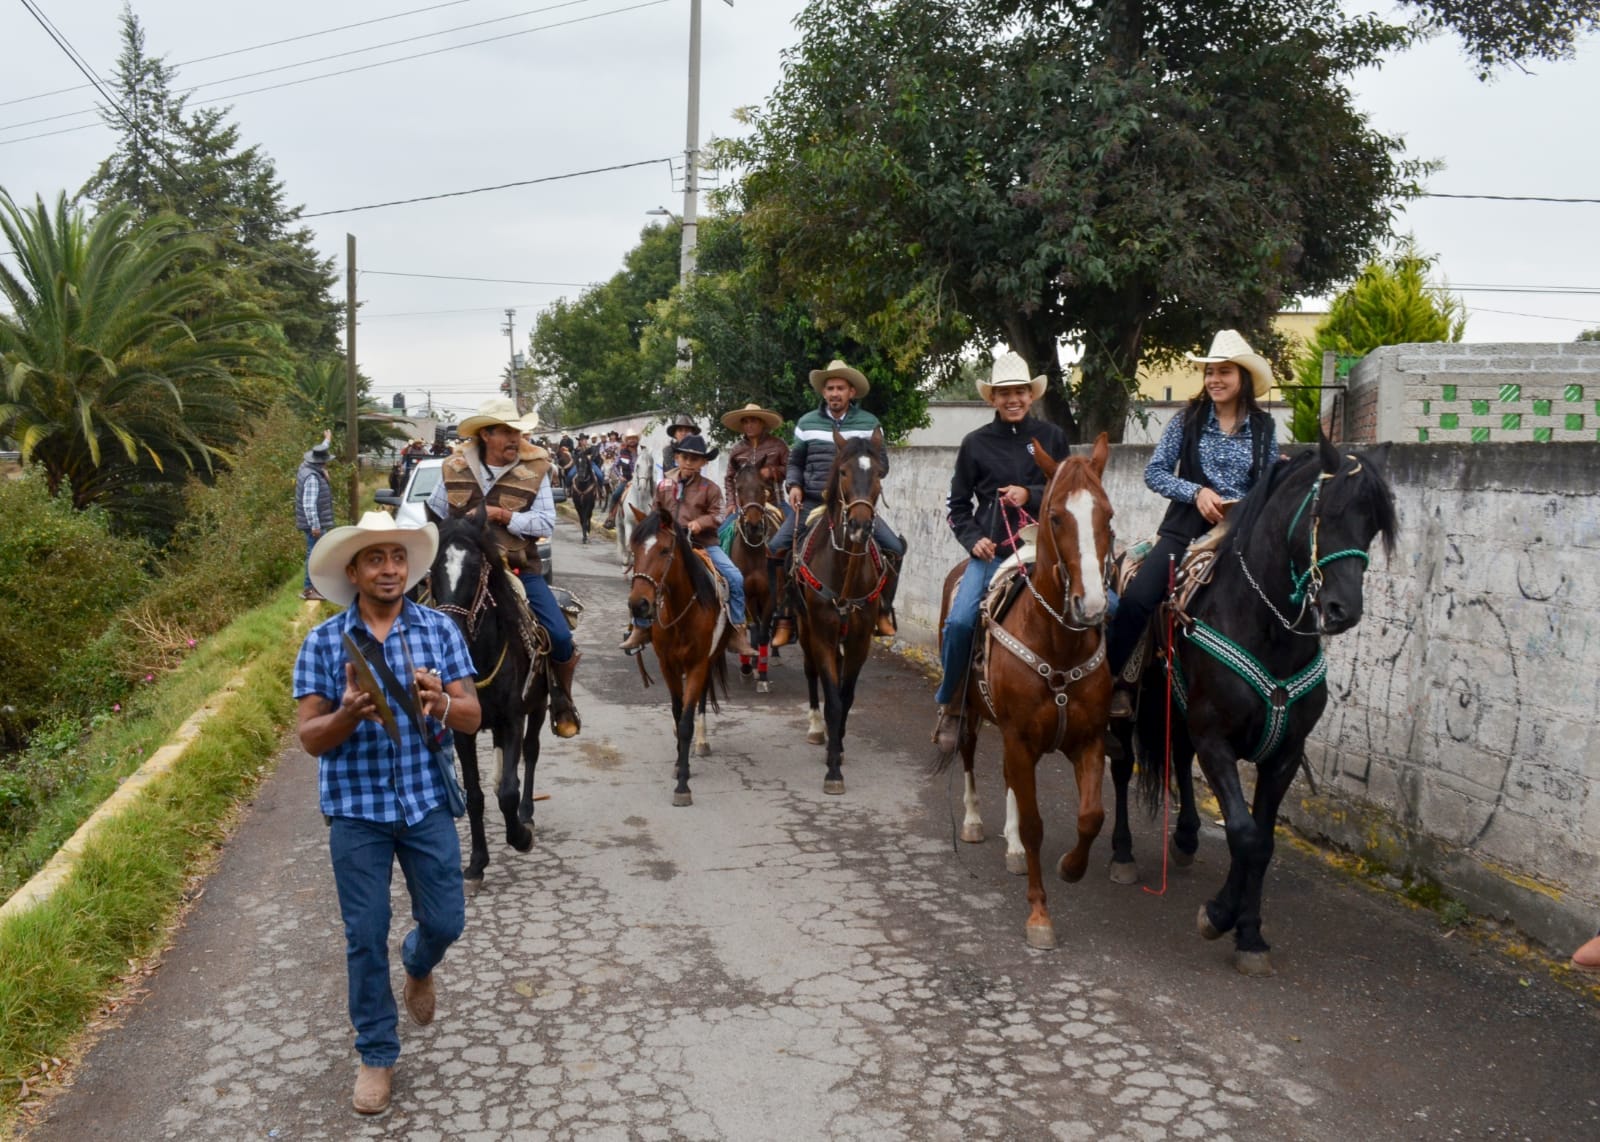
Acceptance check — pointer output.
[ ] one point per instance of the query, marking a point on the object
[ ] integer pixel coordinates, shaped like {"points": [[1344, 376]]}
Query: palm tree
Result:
{"points": [[317, 397], [112, 376]]}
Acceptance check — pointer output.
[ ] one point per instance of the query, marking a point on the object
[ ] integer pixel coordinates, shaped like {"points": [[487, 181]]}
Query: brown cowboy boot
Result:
{"points": [[739, 640], [372, 1089], [638, 638], [564, 718], [887, 627]]}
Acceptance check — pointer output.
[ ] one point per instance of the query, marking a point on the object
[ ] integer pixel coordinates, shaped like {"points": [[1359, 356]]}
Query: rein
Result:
{"points": [[1305, 585], [660, 586], [473, 615]]}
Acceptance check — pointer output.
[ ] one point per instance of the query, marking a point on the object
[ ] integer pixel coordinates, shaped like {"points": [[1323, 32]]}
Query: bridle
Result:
{"points": [[845, 605], [1305, 586], [471, 616], [659, 586], [1062, 572]]}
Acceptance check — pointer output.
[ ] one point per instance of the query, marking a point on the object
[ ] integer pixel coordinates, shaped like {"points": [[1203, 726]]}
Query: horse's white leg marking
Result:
{"points": [[454, 560], [499, 766], [814, 723], [1013, 830], [970, 798], [1081, 505], [702, 744]]}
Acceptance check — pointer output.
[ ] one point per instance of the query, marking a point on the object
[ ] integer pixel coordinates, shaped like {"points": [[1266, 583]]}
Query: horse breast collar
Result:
{"points": [[1278, 694]]}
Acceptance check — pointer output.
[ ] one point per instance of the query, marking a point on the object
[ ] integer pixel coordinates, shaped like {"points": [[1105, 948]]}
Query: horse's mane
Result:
{"points": [[1368, 485], [472, 531], [700, 580]]}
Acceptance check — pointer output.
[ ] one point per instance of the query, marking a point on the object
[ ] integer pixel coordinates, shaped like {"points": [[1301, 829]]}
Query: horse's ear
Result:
{"points": [[1328, 454], [879, 454], [478, 516], [638, 516], [1041, 456], [1101, 453], [838, 441]]}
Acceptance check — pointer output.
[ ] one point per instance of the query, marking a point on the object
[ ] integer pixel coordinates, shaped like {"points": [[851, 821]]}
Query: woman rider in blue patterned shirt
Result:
{"points": [[1207, 459]]}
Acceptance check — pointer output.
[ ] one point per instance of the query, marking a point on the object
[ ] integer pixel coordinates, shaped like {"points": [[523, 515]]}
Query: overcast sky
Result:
{"points": [[611, 90]]}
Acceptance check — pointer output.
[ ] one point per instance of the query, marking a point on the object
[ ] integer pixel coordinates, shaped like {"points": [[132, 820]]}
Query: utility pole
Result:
{"points": [[691, 167], [352, 446], [511, 336]]}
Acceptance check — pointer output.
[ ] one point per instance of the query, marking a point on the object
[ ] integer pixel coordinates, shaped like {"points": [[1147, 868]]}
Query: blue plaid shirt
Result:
{"points": [[367, 776], [1224, 458]]}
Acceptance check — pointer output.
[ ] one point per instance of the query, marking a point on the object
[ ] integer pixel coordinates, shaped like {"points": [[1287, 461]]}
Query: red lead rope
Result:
{"points": [[1166, 773]]}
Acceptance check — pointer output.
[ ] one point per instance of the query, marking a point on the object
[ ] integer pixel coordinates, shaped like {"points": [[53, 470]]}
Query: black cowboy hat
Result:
{"points": [[683, 420], [694, 445]]}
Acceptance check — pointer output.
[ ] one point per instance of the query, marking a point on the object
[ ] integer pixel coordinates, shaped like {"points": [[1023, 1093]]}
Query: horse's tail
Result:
{"points": [[1150, 741], [717, 679]]}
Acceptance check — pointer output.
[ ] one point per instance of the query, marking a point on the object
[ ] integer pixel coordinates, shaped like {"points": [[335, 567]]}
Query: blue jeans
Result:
{"points": [[779, 544], [956, 646], [735, 578], [543, 605], [311, 541], [363, 855]]}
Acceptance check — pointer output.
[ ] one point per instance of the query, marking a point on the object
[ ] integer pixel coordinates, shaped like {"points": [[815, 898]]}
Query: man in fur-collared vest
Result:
{"points": [[498, 469]]}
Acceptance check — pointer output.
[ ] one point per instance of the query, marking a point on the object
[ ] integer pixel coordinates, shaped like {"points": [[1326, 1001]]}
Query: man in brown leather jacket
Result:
{"points": [[696, 504], [758, 447]]}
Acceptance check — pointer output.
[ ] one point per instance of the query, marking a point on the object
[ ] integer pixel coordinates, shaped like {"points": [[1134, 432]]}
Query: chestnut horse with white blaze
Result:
{"points": [[1042, 677]]}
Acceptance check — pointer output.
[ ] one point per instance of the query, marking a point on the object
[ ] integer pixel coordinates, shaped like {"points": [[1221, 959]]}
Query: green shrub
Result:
{"points": [[63, 578]]}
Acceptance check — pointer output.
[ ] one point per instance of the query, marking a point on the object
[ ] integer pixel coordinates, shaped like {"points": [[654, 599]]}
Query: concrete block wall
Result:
{"points": [[1476, 393], [1462, 739]]}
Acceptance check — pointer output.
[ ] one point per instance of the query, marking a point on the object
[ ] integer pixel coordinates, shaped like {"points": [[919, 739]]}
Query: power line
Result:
{"points": [[1540, 316], [1574, 291], [324, 59], [365, 67], [1508, 197], [463, 278], [484, 189]]}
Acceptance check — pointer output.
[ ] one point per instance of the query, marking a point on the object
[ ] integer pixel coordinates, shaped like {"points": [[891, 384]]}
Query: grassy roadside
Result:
{"points": [[59, 958]]}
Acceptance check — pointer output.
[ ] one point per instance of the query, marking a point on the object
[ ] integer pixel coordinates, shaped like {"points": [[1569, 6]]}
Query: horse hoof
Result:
{"points": [[746, 670], [702, 749], [471, 886], [763, 687], [816, 737], [523, 843], [1069, 872], [1208, 930], [834, 785], [1016, 863], [1256, 965], [1180, 859], [1124, 872], [1042, 936], [679, 800], [972, 833]]}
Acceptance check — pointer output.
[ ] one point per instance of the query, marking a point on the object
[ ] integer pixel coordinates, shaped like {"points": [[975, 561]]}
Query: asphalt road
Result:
{"points": [[773, 963]]}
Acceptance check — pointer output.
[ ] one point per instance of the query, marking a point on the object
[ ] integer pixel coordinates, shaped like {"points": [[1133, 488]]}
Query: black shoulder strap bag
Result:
{"points": [[400, 698]]}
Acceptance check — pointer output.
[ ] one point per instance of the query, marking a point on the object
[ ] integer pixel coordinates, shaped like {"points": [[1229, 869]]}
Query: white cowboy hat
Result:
{"points": [[1229, 345], [338, 547], [837, 368], [734, 421], [499, 410], [1010, 369]]}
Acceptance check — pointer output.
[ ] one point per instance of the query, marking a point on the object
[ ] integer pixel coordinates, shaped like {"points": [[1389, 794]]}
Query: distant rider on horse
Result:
{"points": [[624, 472], [996, 471], [696, 504], [498, 469], [757, 448], [1208, 457], [811, 460], [677, 428]]}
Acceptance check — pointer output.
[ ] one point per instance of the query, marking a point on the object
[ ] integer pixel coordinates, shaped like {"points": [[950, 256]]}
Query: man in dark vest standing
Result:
{"points": [[313, 503], [499, 470]]}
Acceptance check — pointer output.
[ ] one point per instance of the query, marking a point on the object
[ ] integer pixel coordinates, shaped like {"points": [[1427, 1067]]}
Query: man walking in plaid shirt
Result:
{"points": [[385, 800]]}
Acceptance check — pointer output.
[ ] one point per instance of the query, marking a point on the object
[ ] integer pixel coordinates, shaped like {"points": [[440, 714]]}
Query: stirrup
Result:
{"points": [[947, 730]]}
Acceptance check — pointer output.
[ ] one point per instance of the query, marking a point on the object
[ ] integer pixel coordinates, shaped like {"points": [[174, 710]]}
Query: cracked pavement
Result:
{"points": [[773, 963]]}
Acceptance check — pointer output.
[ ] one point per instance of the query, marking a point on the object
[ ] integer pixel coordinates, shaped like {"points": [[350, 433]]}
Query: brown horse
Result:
{"points": [[675, 591], [753, 527], [840, 576], [1044, 680]]}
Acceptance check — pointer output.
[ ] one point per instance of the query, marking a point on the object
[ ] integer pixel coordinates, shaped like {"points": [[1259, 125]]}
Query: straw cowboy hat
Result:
{"points": [[1230, 346], [733, 421], [630, 434], [337, 548], [837, 368], [1009, 369], [499, 410]]}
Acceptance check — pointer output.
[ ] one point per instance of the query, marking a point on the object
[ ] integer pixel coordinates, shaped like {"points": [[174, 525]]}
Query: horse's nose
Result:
{"points": [[641, 608], [1336, 616]]}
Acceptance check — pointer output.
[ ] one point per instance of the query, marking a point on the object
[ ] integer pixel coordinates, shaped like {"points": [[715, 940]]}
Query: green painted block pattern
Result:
{"points": [[1447, 392], [1541, 435], [1574, 420], [1480, 435], [1480, 408], [1540, 408], [1508, 420], [1573, 392], [1449, 420], [1509, 393], [1422, 436], [1427, 406]]}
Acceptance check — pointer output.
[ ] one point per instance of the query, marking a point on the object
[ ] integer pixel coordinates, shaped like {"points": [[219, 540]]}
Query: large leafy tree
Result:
{"points": [[1127, 174], [193, 164], [1391, 303], [317, 397], [115, 380], [589, 353], [747, 345]]}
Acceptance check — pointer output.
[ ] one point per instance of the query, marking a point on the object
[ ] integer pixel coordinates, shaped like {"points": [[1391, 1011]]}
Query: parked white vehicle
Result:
{"points": [[410, 507]]}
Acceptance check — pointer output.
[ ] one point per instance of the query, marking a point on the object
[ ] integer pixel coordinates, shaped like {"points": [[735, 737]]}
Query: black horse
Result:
{"points": [[583, 489], [470, 583], [1248, 678]]}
